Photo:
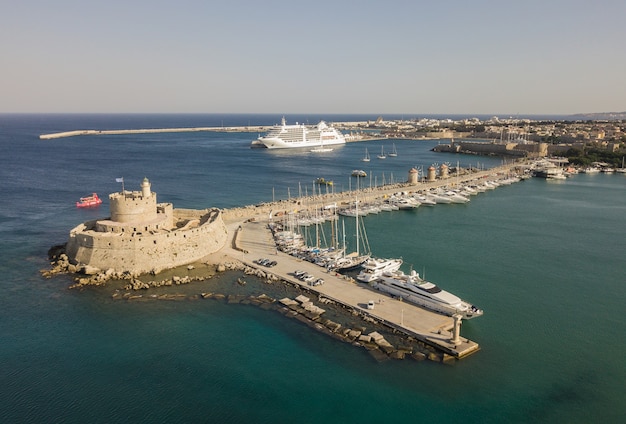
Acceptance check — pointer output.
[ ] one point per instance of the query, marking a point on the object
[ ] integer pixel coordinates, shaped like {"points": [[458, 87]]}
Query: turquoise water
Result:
{"points": [[544, 260]]}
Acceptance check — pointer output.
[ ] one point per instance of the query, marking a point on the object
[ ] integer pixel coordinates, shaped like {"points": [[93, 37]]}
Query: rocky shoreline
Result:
{"points": [[346, 324]]}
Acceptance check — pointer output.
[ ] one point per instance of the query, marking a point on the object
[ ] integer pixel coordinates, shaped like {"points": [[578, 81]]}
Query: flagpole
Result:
{"points": [[121, 180]]}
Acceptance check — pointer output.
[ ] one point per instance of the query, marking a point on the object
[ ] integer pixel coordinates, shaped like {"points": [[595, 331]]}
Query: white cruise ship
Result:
{"points": [[299, 135], [412, 288]]}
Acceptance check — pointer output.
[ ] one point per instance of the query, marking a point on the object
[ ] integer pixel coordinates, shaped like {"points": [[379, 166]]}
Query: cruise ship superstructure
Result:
{"points": [[299, 135]]}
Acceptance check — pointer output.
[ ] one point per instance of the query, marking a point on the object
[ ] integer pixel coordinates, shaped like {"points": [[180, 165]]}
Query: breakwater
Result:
{"points": [[152, 131]]}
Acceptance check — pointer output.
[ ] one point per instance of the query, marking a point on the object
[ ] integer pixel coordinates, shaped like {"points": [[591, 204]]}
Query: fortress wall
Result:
{"points": [[502, 149], [147, 252]]}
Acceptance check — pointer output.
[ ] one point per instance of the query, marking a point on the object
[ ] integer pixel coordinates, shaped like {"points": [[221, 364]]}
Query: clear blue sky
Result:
{"points": [[318, 56]]}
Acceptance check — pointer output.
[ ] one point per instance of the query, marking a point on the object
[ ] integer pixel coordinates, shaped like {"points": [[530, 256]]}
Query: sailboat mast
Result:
{"points": [[356, 209]]}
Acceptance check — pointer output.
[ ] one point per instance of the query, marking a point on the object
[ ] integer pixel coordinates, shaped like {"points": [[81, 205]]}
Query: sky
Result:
{"points": [[341, 56]]}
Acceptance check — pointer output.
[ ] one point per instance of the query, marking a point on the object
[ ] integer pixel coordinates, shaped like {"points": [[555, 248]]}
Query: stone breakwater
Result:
{"points": [[347, 324], [359, 330]]}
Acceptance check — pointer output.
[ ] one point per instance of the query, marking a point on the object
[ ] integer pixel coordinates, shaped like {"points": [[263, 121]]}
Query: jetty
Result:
{"points": [[254, 240], [74, 133], [228, 129]]}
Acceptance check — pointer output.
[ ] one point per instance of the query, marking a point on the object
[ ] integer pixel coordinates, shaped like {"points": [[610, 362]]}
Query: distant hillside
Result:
{"points": [[602, 116]]}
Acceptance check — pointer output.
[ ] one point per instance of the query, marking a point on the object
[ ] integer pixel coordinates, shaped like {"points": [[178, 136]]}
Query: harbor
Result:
{"points": [[252, 234], [403, 304], [226, 129], [252, 239], [508, 250]]}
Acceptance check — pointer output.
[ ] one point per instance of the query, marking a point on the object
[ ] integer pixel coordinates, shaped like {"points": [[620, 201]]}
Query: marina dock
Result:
{"points": [[254, 240]]}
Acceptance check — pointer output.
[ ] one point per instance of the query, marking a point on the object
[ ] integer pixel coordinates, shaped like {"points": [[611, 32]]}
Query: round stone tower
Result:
{"points": [[412, 176], [134, 206], [443, 171], [432, 173]]}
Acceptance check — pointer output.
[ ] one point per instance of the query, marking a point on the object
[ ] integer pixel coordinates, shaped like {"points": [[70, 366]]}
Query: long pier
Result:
{"points": [[252, 239], [153, 130]]}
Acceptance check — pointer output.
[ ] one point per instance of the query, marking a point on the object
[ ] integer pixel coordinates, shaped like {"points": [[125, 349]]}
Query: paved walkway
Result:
{"points": [[256, 240]]}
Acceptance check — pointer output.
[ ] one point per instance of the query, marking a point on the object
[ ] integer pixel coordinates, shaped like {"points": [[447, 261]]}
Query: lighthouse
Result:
{"points": [[145, 188]]}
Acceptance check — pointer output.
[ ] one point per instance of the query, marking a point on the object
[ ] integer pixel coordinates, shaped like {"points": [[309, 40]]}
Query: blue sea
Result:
{"points": [[545, 260]]}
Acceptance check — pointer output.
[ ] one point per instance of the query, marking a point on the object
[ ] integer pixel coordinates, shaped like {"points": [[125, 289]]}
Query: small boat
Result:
{"points": [[367, 156], [382, 153], [323, 181], [393, 153], [359, 173], [89, 201]]}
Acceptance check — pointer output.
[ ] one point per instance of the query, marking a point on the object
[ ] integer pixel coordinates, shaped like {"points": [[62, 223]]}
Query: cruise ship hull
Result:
{"points": [[277, 143]]}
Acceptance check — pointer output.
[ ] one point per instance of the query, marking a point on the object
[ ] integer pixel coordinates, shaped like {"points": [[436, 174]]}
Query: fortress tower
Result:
{"points": [[142, 235], [133, 211]]}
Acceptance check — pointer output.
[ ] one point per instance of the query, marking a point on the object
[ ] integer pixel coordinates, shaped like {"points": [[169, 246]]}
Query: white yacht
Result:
{"points": [[300, 135], [374, 268], [412, 288]]}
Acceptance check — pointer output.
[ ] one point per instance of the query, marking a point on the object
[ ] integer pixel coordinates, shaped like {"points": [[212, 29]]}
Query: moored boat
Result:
{"points": [[412, 288], [323, 181], [367, 156], [374, 268]]}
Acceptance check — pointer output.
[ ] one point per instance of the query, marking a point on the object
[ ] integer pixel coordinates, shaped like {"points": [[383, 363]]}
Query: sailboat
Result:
{"points": [[356, 259], [621, 170], [393, 153], [382, 153], [367, 156]]}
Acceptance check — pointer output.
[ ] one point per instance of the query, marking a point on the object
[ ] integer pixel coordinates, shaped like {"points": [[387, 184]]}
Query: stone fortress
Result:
{"points": [[143, 236]]}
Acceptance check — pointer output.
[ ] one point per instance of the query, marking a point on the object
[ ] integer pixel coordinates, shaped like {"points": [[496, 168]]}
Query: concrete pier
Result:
{"points": [[153, 130], [254, 240]]}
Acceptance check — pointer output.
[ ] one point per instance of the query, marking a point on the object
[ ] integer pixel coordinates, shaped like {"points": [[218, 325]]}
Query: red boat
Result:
{"points": [[89, 201]]}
